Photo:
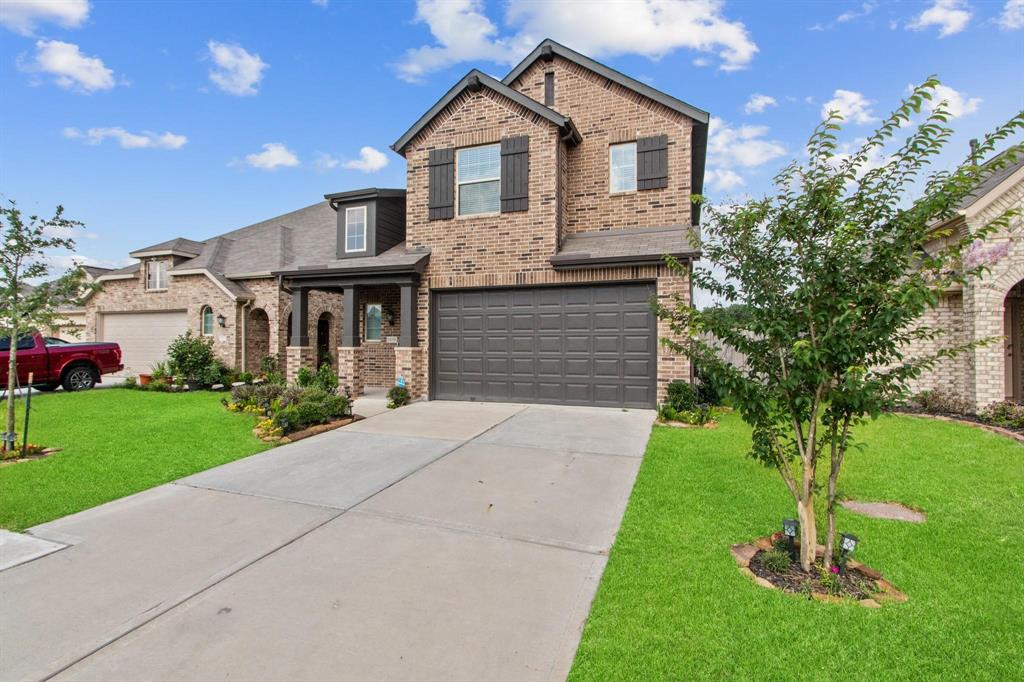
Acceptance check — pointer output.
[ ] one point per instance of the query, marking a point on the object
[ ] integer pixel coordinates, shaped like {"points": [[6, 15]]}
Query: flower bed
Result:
{"points": [[284, 410], [767, 563]]}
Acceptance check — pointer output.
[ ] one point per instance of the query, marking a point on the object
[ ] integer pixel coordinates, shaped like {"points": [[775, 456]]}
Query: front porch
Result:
{"points": [[377, 329]]}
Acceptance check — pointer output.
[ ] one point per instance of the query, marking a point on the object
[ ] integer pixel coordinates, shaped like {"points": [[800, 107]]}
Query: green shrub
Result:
{"points": [[161, 371], [777, 560], [1005, 414], [324, 378], [681, 396], [398, 396], [192, 356], [708, 390], [941, 402], [246, 377], [829, 581], [305, 377], [268, 365]]}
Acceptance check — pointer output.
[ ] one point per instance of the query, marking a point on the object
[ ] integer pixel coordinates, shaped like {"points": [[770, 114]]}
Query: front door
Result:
{"points": [[1013, 326]]}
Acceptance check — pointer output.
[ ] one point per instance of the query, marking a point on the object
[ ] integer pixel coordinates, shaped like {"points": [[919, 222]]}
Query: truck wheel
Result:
{"points": [[80, 378]]}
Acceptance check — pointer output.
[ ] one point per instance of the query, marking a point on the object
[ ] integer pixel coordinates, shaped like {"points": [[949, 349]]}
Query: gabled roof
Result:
{"points": [[474, 81], [996, 179], [549, 47], [174, 247], [94, 271]]}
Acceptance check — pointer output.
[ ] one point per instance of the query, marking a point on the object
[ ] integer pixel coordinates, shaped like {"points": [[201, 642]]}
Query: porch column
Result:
{"points": [[299, 353], [350, 371], [408, 354], [407, 316]]}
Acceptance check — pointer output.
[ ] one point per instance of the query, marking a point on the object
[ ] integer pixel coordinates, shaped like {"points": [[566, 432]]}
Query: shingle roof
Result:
{"points": [[178, 247], [94, 271], [994, 180], [637, 245], [398, 257]]}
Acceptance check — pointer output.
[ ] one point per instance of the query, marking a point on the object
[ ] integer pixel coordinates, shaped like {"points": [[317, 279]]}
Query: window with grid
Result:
{"points": [[478, 174], [355, 229], [156, 274]]}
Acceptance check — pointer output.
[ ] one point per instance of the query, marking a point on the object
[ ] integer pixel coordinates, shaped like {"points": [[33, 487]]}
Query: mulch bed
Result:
{"points": [[861, 583], [966, 419], [320, 428]]}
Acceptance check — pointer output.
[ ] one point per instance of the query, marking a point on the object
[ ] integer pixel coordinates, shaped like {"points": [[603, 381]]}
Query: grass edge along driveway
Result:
{"points": [[116, 442], [673, 605]]}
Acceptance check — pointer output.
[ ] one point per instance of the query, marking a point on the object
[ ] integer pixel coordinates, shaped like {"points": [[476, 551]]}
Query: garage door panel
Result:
{"points": [[585, 345], [143, 336]]}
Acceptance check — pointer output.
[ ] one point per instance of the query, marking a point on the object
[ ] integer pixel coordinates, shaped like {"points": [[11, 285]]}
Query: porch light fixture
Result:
{"points": [[222, 321]]}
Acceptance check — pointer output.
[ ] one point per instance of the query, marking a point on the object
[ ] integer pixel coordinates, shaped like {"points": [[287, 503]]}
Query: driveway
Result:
{"points": [[439, 541]]}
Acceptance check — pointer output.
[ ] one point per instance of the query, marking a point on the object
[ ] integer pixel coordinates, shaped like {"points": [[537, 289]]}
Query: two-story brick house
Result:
{"points": [[518, 264]]}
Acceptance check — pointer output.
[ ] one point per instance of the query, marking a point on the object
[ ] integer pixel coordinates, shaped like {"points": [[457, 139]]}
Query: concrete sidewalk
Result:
{"points": [[438, 541]]}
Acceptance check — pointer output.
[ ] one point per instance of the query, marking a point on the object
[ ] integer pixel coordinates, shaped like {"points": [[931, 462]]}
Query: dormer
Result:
{"points": [[370, 221]]}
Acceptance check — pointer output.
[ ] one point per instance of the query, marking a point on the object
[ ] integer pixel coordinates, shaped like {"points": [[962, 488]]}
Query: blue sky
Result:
{"points": [[152, 120]]}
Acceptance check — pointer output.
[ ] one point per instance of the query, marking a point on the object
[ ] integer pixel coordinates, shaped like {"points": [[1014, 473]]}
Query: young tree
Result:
{"points": [[23, 307], [836, 271]]}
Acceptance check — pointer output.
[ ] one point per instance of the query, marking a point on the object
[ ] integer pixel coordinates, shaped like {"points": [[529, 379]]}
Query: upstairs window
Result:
{"points": [[623, 167], [478, 174], [373, 321], [156, 274], [355, 229], [207, 321]]}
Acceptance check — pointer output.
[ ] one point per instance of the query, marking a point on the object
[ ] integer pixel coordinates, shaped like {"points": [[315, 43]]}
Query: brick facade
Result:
{"points": [[977, 313]]}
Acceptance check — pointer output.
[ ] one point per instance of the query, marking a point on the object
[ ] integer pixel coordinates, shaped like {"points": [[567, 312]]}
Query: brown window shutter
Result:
{"points": [[515, 174], [652, 162], [441, 184]]}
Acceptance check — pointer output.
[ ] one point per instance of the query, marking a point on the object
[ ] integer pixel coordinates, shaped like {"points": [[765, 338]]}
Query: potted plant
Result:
{"points": [[161, 373], [144, 379]]}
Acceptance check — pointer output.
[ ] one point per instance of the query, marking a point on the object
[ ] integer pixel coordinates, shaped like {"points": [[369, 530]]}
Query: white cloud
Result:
{"points": [[758, 103], [740, 146], [951, 16], [957, 103], [274, 155], [21, 16], [62, 262], [1012, 17], [370, 161], [651, 28], [325, 162], [127, 140], [723, 179], [70, 68], [238, 72], [866, 8], [852, 106], [876, 157]]}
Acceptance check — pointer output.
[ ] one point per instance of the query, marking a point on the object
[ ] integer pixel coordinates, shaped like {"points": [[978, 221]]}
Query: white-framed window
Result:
{"points": [[373, 321], [622, 165], [156, 274], [206, 321], [355, 229], [478, 179]]}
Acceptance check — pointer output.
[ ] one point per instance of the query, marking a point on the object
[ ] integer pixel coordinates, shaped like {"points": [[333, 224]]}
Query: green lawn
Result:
{"points": [[116, 442], [673, 605]]}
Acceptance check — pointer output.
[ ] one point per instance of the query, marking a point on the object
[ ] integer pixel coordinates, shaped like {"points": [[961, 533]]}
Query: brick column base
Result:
{"points": [[350, 369], [409, 364], [297, 357]]}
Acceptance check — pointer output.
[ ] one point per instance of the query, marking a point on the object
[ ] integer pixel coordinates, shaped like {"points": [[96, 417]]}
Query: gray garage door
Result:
{"points": [[585, 345]]}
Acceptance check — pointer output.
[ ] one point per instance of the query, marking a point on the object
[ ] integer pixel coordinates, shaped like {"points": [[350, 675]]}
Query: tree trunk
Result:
{"points": [[808, 531], [12, 378]]}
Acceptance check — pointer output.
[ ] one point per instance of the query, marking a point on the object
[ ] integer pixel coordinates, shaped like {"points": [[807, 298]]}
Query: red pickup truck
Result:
{"points": [[75, 366]]}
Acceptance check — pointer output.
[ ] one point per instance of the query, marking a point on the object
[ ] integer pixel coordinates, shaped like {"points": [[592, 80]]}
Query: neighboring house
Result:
{"points": [[991, 307], [71, 324], [518, 264]]}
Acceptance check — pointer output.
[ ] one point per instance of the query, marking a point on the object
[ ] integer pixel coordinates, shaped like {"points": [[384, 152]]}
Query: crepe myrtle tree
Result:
{"points": [[836, 270], [24, 245]]}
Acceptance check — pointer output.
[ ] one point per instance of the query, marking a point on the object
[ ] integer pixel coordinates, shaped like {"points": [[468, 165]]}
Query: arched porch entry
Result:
{"points": [[257, 339], [1013, 331], [325, 344]]}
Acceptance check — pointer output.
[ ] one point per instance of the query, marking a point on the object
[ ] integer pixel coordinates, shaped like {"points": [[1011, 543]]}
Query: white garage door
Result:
{"points": [[143, 337]]}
